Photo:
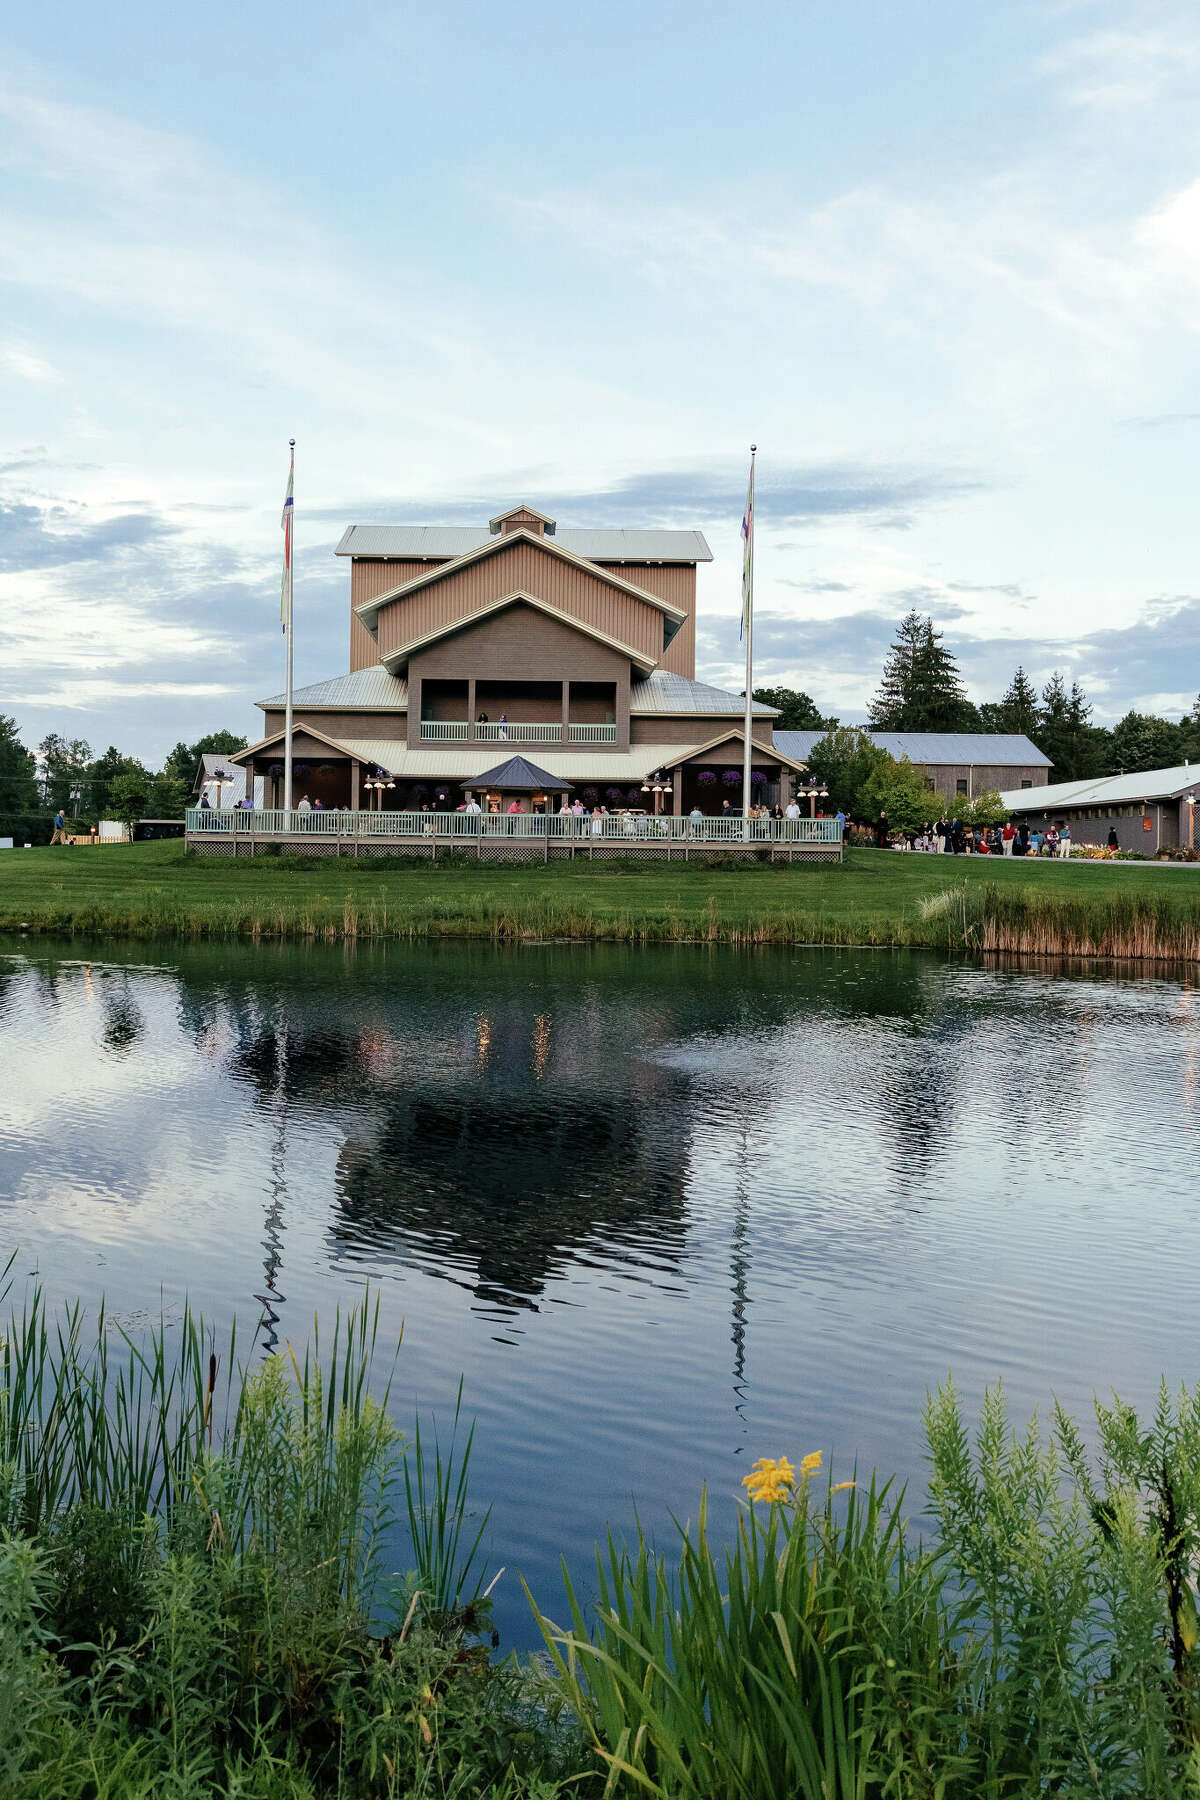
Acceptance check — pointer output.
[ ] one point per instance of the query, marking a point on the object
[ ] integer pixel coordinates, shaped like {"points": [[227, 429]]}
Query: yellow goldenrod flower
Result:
{"points": [[770, 1479], [839, 1487], [811, 1463]]}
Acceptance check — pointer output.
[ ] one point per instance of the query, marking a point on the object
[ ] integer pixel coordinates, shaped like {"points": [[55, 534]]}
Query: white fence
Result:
{"points": [[627, 827], [441, 731]]}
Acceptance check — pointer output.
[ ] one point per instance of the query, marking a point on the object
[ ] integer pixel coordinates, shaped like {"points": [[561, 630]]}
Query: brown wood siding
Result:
{"points": [[519, 644], [526, 567], [690, 728], [369, 578], [343, 724], [676, 584]]}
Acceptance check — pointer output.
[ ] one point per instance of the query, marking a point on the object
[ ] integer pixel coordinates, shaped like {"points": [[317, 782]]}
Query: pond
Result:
{"points": [[665, 1211]]}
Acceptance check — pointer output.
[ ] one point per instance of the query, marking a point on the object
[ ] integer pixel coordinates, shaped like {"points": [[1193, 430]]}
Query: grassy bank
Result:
{"points": [[875, 898], [195, 1601]]}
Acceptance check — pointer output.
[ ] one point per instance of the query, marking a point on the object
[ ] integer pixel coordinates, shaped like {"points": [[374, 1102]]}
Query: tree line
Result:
{"points": [[921, 689], [64, 775]]}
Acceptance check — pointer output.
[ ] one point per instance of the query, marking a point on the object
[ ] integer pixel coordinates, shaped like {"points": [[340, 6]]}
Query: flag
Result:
{"points": [[285, 589], [748, 554]]}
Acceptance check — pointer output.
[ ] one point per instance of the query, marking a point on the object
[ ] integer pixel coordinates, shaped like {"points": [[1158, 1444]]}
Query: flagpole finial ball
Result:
{"points": [[292, 443], [754, 449]]}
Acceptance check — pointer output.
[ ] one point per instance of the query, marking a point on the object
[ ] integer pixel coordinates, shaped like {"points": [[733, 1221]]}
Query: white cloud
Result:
{"points": [[27, 365]]}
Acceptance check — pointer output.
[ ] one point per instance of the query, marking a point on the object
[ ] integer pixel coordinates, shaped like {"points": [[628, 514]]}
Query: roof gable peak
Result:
{"points": [[522, 515]]}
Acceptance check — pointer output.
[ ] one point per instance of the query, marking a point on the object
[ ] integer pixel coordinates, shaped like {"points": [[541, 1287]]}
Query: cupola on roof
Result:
{"points": [[521, 518]]}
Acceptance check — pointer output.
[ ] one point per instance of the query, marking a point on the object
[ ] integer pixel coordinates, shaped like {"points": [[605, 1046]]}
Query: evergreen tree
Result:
{"points": [[1018, 711], [798, 711], [18, 787], [921, 689]]}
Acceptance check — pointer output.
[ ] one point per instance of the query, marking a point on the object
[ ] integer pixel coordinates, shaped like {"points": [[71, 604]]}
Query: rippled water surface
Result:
{"points": [[665, 1211]]}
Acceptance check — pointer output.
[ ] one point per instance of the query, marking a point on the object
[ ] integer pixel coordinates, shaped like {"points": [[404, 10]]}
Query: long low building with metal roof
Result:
{"points": [[1150, 811], [957, 764]]}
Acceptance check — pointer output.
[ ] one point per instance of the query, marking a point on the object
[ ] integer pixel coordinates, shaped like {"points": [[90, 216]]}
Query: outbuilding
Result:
{"points": [[1151, 811]]}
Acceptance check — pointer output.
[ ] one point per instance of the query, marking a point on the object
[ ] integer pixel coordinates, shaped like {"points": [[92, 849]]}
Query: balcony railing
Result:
{"points": [[441, 730], [591, 734], [627, 827], [514, 731], [517, 731]]}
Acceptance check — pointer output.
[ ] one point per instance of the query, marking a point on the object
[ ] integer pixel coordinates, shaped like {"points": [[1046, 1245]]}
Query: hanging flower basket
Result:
{"points": [[591, 795], [635, 795], [732, 778], [707, 778], [616, 795], [757, 778]]}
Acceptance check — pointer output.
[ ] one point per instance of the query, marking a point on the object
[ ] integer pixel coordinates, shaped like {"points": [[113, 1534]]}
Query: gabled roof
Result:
{"points": [[934, 747], [767, 752], [638, 657], [518, 775], [438, 542], [276, 737], [522, 507], [366, 690], [664, 692], [368, 610], [1107, 790]]}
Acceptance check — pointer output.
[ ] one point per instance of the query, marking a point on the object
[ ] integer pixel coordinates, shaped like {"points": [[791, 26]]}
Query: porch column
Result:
{"points": [[566, 710], [677, 791], [471, 707], [355, 777]]}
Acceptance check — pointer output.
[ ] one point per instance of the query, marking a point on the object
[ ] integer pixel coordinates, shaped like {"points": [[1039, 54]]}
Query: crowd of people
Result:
{"points": [[952, 837]]}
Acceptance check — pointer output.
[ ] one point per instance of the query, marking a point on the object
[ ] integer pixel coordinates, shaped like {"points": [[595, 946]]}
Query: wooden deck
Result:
{"points": [[491, 837]]}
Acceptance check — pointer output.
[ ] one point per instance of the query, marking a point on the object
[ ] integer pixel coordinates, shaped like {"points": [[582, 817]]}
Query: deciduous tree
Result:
{"points": [[798, 711]]}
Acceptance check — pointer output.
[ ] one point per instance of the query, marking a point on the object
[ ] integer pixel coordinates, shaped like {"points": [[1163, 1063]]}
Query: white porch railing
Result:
{"points": [[443, 730], [592, 734], [516, 732], [627, 827]]}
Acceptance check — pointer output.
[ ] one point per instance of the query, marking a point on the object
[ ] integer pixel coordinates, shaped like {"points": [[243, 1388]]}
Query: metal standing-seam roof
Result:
{"points": [[663, 692], [440, 542], [1106, 790], [936, 747], [373, 689], [453, 762], [518, 775]]}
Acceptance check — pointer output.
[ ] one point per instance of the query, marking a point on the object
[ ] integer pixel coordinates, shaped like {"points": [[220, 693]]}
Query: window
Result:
{"points": [[929, 784], [960, 787], [1027, 784]]}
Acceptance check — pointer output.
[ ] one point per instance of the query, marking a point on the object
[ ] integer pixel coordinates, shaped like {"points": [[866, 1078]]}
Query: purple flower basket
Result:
{"points": [[616, 795], [590, 796], [706, 778], [732, 778], [757, 778]]}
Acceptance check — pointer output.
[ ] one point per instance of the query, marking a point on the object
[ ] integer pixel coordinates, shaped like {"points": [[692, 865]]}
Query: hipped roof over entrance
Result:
{"points": [[516, 776]]}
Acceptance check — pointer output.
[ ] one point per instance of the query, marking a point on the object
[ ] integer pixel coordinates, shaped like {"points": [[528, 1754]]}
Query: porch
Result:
{"points": [[510, 836]]}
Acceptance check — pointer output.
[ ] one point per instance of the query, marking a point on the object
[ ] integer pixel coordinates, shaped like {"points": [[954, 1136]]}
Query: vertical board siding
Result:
{"points": [[368, 578], [574, 591], [676, 584]]}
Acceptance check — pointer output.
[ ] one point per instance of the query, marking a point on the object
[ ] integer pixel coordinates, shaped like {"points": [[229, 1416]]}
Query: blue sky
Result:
{"points": [[941, 261]]}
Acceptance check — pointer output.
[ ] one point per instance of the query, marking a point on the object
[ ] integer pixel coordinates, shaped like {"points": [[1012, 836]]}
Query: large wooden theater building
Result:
{"points": [[576, 649]]}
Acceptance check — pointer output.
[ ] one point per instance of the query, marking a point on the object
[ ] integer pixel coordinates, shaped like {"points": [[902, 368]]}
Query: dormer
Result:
{"points": [[521, 518]]}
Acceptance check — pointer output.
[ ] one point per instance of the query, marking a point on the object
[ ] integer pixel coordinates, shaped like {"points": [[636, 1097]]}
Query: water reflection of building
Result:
{"points": [[501, 1168]]}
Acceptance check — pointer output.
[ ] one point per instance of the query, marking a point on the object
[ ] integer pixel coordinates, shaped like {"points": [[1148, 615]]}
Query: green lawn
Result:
{"points": [[875, 897]]}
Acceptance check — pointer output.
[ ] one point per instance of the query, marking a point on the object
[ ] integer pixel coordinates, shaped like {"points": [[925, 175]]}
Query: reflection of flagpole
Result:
{"points": [[748, 632], [271, 1298], [739, 1271]]}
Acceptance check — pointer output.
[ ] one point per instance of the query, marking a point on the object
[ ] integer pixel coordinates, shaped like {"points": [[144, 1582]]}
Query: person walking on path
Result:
{"points": [[1064, 843], [60, 828]]}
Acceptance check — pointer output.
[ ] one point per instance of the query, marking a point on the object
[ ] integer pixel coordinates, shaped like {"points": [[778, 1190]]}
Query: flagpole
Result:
{"points": [[287, 704], [748, 610]]}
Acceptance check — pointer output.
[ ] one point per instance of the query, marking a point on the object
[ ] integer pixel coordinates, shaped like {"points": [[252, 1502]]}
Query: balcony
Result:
{"points": [[515, 731]]}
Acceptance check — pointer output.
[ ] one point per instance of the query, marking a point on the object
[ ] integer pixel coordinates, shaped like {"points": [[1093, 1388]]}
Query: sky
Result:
{"points": [[941, 261]]}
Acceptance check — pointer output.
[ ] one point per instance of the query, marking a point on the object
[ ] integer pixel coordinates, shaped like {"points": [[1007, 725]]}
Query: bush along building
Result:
{"points": [[957, 765], [1149, 812]]}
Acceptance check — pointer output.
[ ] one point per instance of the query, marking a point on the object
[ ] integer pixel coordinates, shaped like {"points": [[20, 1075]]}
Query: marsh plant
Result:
{"points": [[198, 1598], [194, 1592]]}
